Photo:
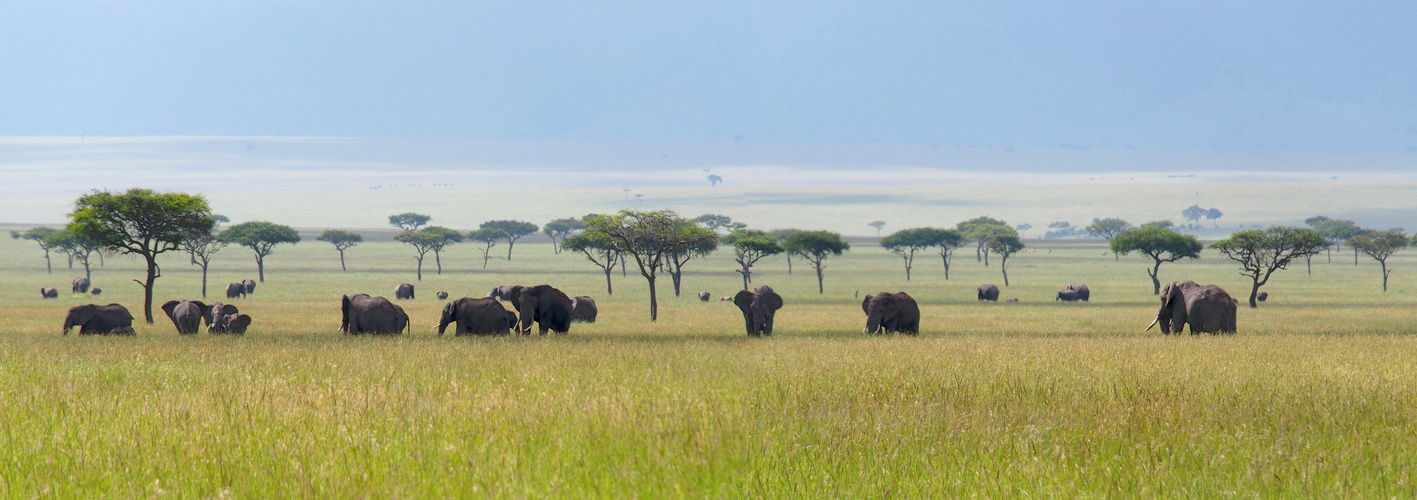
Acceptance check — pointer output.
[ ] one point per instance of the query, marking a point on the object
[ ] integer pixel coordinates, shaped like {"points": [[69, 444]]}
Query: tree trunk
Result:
{"points": [[71, 261], [341, 261], [1309, 264], [946, 259], [261, 268], [1385, 273], [48, 266], [744, 272], [653, 301], [978, 255], [609, 290], [1254, 292], [148, 288], [676, 275], [1115, 257], [438, 258], [819, 279], [509, 249], [789, 265], [204, 280], [100, 260], [1355, 256], [420, 269], [986, 258], [622, 266], [1155, 282], [485, 256]]}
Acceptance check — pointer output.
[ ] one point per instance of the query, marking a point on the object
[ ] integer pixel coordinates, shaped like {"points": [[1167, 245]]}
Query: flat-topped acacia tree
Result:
{"points": [[261, 237], [143, 223], [648, 237], [1161, 245], [1262, 252], [816, 246], [38, 235], [515, 229], [1380, 245], [342, 240]]}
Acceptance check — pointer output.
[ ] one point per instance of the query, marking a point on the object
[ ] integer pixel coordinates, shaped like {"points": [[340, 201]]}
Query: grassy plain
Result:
{"points": [[1314, 397]]}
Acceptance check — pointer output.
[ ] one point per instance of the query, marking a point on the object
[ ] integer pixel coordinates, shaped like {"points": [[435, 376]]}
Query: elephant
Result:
{"points": [[705, 296], [81, 285], [549, 307], [249, 285], [235, 290], [361, 313], [1067, 296], [988, 291], [1262, 296], [583, 309], [1082, 291], [187, 315], [758, 306], [231, 323], [442, 295], [49, 292], [96, 291], [891, 312], [216, 316], [1206, 308], [484, 316], [99, 320], [403, 292], [503, 292]]}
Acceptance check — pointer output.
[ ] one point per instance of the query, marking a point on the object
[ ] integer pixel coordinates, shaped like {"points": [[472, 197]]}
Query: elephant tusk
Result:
{"points": [[1153, 323]]}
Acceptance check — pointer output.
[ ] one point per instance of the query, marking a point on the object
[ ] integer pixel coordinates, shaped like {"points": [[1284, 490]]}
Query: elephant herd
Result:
{"points": [[240, 290], [80, 285]]}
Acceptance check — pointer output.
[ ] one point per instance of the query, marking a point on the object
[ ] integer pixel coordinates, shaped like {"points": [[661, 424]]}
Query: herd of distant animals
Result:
{"points": [[1206, 309]]}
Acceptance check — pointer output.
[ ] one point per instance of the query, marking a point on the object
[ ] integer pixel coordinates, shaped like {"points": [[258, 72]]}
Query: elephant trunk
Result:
{"points": [[873, 324]]}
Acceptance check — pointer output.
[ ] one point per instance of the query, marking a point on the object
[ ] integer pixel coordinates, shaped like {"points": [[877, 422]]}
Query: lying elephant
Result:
{"points": [[477, 317], [758, 306], [891, 312], [1206, 308], [112, 319], [361, 313]]}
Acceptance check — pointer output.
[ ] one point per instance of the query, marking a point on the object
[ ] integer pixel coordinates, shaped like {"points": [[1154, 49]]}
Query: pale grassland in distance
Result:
{"points": [[1312, 398]]}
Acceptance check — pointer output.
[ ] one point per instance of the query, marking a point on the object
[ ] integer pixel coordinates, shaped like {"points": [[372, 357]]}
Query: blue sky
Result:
{"points": [[1238, 76]]}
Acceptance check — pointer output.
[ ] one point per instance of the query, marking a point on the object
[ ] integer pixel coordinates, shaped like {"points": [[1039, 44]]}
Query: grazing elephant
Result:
{"points": [[235, 290], [216, 316], [583, 309], [549, 307], [1066, 296], [187, 315], [483, 316], [1206, 308], [49, 292], [704, 296], [96, 291], [1082, 292], [361, 313], [403, 292], [758, 306], [988, 291], [891, 312], [249, 285], [81, 285], [442, 295], [99, 320], [232, 323], [1262, 296]]}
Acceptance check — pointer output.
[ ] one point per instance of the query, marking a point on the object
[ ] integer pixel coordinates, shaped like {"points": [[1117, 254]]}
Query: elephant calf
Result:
{"points": [[1262, 296], [95, 291], [891, 312], [705, 296], [1074, 292], [442, 295], [49, 292], [249, 285]]}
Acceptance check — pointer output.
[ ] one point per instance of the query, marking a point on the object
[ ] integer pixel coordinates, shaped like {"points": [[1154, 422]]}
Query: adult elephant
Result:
{"points": [[1083, 293], [503, 292], [891, 312], [249, 285], [404, 291], [81, 285], [216, 316], [544, 304], [187, 315], [1206, 308], [49, 292], [583, 309], [112, 319], [988, 291], [482, 316], [235, 290], [759, 307], [361, 313], [231, 323]]}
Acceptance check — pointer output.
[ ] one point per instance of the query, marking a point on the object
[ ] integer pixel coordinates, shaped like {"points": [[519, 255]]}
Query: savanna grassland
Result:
{"points": [[1313, 397]]}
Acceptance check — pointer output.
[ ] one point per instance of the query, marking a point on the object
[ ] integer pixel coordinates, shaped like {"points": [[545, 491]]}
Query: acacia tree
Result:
{"points": [[908, 241], [1005, 245], [143, 223], [1213, 215], [598, 250], [1194, 213], [77, 247], [449, 236], [1108, 229], [750, 246], [342, 240], [816, 246], [37, 235], [488, 238], [781, 236], [674, 261], [202, 248], [422, 243], [648, 237], [1159, 224], [261, 237], [188, 245], [1339, 231], [1162, 245], [559, 229], [1262, 252], [515, 229], [945, 242], [979, 230], [1380, 245], [713, 222], [878, 225], [409, 221]]}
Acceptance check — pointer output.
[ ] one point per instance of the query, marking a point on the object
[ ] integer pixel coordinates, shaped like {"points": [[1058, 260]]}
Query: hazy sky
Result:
{"points": [[1252, 75]]}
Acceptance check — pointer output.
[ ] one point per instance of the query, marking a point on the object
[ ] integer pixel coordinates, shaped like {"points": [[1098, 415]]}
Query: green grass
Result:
{"points": [[1313, 397]]}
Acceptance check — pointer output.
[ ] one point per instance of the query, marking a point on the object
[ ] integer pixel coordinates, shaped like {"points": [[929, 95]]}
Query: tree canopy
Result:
{"points": [[816, 246], [141, 222], [409, 221], [261, 237], [908, 241], [39, 235], [1194, 213], [342, 240], [449, 237], [980, 229], [1161, 245], [1262, 252], [1380, 245], [1005, 245], [1158, 224], [488, 237], [597, 248], [649, 237], [748, 249], [515, 229], [77, 247], [561, 228], [713, 222], [422, 242]]}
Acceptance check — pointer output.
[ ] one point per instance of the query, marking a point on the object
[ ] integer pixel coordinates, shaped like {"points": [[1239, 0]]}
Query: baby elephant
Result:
{"points": [[1262, 296], [96, 291], [705, 296], [1075, 291], [49, 292]]}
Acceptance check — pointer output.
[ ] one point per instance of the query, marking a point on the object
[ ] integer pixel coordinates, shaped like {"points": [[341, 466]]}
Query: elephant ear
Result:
{"points": [[866, 304], [743, 299], [344, 314], [85, 315], [239, 324], [170, 306], [772, 300]]}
